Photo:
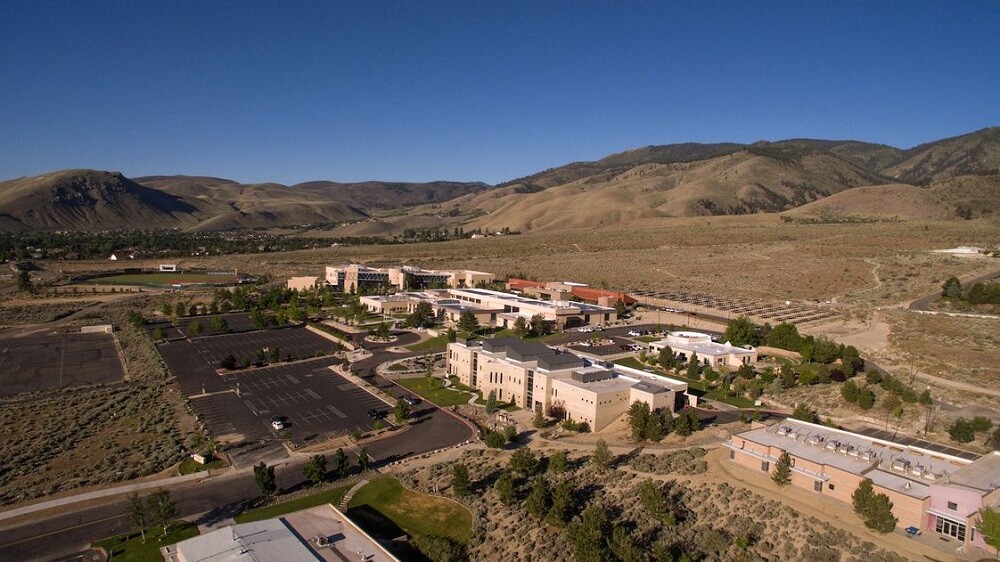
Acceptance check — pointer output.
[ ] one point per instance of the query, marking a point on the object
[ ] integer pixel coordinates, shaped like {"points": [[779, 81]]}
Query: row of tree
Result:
{"points": [[978, 293], [742, 331], [653, 425]]}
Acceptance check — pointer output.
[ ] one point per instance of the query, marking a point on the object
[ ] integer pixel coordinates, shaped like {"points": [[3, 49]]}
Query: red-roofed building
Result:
{"points": [[601, 296], [515, 284]]}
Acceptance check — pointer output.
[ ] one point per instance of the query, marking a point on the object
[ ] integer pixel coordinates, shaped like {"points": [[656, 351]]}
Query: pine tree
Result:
{"points": [[460, 480], [783, 470], [523, 462], [989, 527], [562, 504], [590, 535], [540, 499], [602, 457], [263, 475], [340, 463], [558, 462], [315, 468], [638, 419], [505, 487]]}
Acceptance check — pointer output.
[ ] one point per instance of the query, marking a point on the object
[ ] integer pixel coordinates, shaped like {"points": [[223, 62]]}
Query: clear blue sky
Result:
{"points": [[257, 91]]}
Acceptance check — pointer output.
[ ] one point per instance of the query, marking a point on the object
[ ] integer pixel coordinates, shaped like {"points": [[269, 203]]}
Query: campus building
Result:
{"points": [[535, 376], [929, 490], [568, 290], [303, 283], [355, 278], [710, 353], [491, 308]]}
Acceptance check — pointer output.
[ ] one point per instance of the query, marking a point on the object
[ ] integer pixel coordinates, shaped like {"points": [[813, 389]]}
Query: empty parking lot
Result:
{"points": [[58, 361], [294, 343]]}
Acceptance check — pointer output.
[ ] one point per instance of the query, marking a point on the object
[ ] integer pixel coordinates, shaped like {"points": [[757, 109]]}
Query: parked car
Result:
{"points": [[411, 400], [634, 333], [377, 414], [585, 329], [278, 423]]}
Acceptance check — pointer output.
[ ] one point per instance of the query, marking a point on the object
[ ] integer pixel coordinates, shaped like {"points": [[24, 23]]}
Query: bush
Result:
{"points": [[495, 440]]}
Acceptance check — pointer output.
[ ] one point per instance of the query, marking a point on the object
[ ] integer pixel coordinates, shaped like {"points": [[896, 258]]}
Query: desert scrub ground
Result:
{"points": [[29, 313], [714, 521], [53, 441], [961, 349]]}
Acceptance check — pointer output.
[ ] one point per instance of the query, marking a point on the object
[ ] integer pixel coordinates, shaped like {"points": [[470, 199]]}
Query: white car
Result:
{"points": [[585, 329], [277, 423], [634, 333]]}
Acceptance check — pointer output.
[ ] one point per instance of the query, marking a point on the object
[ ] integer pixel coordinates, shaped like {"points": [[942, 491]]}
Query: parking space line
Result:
{"points": [[312, 393], [337, 412]]}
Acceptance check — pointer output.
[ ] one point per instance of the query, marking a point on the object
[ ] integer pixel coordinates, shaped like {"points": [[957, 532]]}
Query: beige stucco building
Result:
{"points": [[304, 283], [929, 490], [685, 344], [359, 278], [534, 376]]}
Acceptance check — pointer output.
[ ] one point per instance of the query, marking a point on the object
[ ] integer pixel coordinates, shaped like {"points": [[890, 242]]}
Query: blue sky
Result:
{"points": [[349, 91]]}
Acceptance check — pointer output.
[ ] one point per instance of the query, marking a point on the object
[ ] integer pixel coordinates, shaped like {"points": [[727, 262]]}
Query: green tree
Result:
{"points": [[563, 504], [981, 423], [693, 368], [340, 465], [850, 391], [741, 331], [783, 470], [961, 431], [804, 412], [258, 319], [167, 309], [505, 488], [136, 319], [624, 547], [136, 514], [666, 358], [315, 468], [862, 497], [521, 328], [655, 430], [263, 476], [510, 432], [219, 325], [601, 457], [162, 509], [24, 282], [890, 402], [422, 315], [590, 535], [363, 459], [652, 498], [993, 442], [159, 334], [495, 440], [523, 462], [866, 398], [439, 549], [638, 419], [539, 327], [401, 411], [194, 328], [879, 514], [785, 336], [467, 322], [452, 335], [558, 462], [491, 402], [460, 480], [383, 331], [989, 527], [539, 421], [540, 499], [952, 288]]}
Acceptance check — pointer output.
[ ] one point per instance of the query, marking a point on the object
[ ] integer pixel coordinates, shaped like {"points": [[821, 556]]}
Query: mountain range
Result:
{"points": [[957, 177]]}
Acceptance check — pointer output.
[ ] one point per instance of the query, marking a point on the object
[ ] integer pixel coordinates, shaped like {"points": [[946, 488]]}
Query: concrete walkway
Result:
{"points": [[346, 500], [96, 494]]}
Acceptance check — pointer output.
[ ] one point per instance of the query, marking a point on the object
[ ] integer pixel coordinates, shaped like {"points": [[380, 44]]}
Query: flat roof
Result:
{"points": [[260, 541], [710, 349], [613, 384], [983, 474]]}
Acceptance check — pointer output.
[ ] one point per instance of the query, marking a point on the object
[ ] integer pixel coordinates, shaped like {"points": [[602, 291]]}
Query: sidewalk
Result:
{"points": [[96, 494]]}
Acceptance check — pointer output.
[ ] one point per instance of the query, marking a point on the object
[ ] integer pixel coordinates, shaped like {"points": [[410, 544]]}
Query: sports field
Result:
{"points": [[165, 279]]}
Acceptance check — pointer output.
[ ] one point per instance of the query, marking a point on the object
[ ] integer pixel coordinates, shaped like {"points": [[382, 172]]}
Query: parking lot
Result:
{"points": [[293, 343], [58, 361], [237, 322]]}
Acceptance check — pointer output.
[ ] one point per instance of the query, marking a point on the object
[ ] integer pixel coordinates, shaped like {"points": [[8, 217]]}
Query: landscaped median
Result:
{"points": [[413, 512], [131, 548], [332, 496], [433, 390]]}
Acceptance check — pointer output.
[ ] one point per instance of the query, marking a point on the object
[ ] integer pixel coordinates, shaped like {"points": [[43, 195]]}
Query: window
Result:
{"points": [[765, 466], [953, 506], [818, 486], [732, 455], [831, 486]]}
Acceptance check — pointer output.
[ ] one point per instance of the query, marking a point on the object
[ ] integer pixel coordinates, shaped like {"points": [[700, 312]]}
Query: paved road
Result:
{"points": [[61, 535], [924, 303]]}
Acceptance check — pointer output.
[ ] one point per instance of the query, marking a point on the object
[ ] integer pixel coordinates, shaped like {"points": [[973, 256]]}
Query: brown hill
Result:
{"points": [[88, 200], [972, 154]]}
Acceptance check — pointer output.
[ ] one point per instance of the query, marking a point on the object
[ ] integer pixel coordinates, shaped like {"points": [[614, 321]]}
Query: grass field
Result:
{"points": [[130, 548], [432, 344], [189, 466], [327, 496], [414, 512], [433, 391], [161, 279]]}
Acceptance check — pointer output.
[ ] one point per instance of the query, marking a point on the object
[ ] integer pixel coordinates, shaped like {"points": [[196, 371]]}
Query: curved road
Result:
{"points": [[70, 529], [924, 303]]}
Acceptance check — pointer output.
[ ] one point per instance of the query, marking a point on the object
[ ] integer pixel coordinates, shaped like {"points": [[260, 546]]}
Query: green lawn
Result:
{"points": [[433, 390], [432, 344], [188, 466], [648, 339], [631, 362], [414, 512], [163, 279], [328, 496], [130, 548]]}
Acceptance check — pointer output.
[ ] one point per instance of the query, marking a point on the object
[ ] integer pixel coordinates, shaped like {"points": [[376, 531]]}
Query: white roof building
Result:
{"points": [[710, 353]]}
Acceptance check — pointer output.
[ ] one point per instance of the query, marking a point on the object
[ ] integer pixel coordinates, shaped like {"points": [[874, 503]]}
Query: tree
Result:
{"points": [[24, 282], [263, 475], [363, 459], [862, 496], [135, 512], [558, 462], [961, 431], [590, 535], [783, 470], [439, 549], [510, 432], [452, 335], [505, 488], [401, 411], [136, 319], [785, 336], [993, 442], [952, 288], [981, 423], [315, 468], [167, 309], [652, 498], [495, 440], [624, 546], [539, 327], [275, 354], [228, 362], [422, 315], [804, 412], [219, 325], [850, 391], [601, 457], [258, 319], [523, 462], [521, 328], [890, 402], [159, 334], [383, 331], [179, 309], [666, 358], [866, 398], [162, 509], [467, 321], [638, 419], [540, 499], [194, 328], [491, 402], [539, 420], [874, 509], [460, 480], [989, 527], [693, 368], [562, 504], [340, 463], [741, 331]]}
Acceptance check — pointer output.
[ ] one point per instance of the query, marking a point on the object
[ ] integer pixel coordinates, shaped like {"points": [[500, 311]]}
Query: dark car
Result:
{"points": [[377, 414], [411, 400]]}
